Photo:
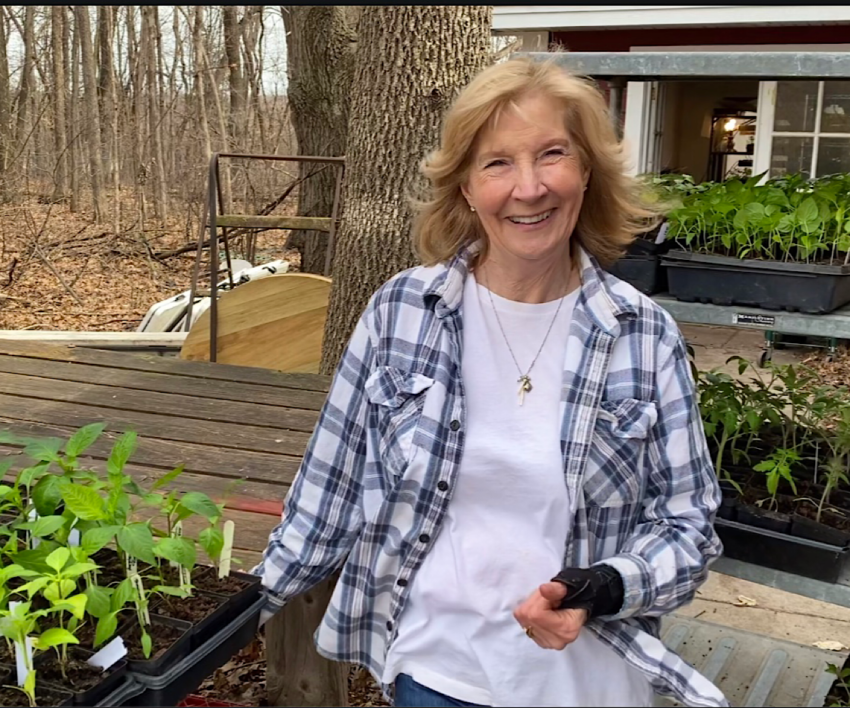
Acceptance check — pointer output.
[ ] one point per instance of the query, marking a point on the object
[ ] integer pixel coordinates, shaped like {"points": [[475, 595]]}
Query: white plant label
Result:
{"points": [[110, 655], [23, 653], [74, 535], [176, 532], [132, 566], [227, 531], [23, 658], [33, 540], [185, 579], [136, 579]]}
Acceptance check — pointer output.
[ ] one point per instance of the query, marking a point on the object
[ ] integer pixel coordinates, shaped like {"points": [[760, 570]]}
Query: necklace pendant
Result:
{"points": [[524, 387]]}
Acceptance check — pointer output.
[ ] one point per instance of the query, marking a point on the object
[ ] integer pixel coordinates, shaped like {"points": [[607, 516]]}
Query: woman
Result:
{"points": [[506, 414]]}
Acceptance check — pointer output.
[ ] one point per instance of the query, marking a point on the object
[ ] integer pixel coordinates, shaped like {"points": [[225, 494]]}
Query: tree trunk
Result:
{"points": [[83, 27], [296, 675], [232, 36], [72, 111], [5, 110], [320, 47], [140, 178], [150, 31], [26, 87], [57, 23], [411, 63], [197, 59]]}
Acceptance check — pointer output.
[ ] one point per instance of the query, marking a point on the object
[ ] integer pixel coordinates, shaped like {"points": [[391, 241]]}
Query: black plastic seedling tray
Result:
{"points": [[771, 285], [170, 687], [782, 551]]}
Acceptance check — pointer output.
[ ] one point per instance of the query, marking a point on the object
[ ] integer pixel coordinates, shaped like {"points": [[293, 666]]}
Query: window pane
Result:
{"points": [[836, 107], [791, 155], [796, 103], [833, 156]]}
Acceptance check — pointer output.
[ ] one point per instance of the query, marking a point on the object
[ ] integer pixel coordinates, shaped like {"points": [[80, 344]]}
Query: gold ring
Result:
{"points": [[529, 632]]}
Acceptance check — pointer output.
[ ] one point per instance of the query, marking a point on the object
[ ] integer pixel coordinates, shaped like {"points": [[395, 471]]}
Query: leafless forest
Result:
{"points": [[108, 116]]}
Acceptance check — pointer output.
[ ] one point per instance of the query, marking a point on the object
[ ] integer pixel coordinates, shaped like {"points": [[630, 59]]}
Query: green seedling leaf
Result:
{"points": [[44, 449], [83, 439], [36, 559], [212, 541], [147, 644], [153, 499], [44, 525], [33, 586], [178, 550], [96, 538], [85, 502], [123, 449], [168, 478], [46, 494], [29, 684], [106, 627], [54, 637], [77, 569], [58, 558], [27, 477], [98, 604], [124, 593], [137, 540], [76, 605], [199, 503]]}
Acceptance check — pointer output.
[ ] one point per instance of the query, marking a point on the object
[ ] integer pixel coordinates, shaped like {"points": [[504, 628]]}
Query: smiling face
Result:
{"points": [[526, 183]]}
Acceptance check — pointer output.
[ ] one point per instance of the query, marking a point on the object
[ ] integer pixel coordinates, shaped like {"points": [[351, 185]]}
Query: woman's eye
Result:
{"points": [[495, 163], [554, 151]]}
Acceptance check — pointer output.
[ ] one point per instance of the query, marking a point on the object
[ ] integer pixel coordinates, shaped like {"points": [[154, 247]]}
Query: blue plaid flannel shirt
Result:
{"points": [[380, 467]]}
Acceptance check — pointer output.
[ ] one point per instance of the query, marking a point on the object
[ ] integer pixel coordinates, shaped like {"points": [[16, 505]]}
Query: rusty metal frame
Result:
{"points": [[215, 201]]}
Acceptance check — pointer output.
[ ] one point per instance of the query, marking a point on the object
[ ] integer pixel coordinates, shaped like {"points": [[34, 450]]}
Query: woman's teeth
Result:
{"points": [[530, 219]]}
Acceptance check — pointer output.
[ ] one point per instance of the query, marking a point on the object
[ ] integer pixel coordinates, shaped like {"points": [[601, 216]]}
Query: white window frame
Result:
{"points": [[637, 125], [764, 128]]}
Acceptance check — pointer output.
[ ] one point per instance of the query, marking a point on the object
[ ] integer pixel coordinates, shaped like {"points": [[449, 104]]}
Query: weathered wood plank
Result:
{"points": [[166, 341], [165, 427], [166, 404], [163, 383], [227, 463], [250, 221], [168, 365]]}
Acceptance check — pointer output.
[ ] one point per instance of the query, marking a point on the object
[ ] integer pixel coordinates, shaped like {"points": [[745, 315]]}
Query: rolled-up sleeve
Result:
{"points": [[322, 514], [666, 558]]}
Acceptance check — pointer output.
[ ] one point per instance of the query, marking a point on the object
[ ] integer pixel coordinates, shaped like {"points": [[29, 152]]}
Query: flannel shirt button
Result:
{"points": [[424, 538], [442, 485], [402, 582], [455, 425]]}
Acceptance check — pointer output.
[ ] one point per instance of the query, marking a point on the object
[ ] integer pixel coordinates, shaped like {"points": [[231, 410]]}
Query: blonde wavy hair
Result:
{"points": [[614, 209]]}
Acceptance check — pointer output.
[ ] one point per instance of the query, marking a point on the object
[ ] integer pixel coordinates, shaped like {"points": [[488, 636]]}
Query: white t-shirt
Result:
{"points": [[505, 532]]}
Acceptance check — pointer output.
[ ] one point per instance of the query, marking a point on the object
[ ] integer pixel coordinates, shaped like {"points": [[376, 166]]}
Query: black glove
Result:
{"points": [[599, 590]]}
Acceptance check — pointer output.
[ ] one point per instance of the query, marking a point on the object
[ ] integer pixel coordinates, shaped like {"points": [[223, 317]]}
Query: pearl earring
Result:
{"points": [[471, 208]]}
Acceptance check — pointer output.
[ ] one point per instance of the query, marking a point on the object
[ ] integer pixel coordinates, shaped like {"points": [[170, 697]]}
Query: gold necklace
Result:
{"points": [[524, 379]]}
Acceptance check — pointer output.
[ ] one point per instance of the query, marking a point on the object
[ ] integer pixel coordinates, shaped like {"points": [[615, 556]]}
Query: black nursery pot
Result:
{"points": [[728, 508], [110, 680], [763, 518], [179, 649], [803, 527], [771, 285]]}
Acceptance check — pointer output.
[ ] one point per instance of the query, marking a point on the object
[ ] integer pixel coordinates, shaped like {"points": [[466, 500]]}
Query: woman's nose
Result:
{"points": [[529, 185]]}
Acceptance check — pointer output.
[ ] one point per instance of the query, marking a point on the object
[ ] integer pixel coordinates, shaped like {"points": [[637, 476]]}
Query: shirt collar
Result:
{"points": [[602, 304]]}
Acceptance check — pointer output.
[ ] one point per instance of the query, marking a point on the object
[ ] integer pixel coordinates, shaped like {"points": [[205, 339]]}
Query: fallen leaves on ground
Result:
{"points": [[744, 601], [61, 271], [831, 645], [243, 680]]}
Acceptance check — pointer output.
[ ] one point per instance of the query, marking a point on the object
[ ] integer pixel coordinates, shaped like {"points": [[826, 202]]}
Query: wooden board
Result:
{"points": [[208, 373], [275, 323]]}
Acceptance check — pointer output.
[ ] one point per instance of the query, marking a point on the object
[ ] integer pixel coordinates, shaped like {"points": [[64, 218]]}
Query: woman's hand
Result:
{"points": [[541, 619]]}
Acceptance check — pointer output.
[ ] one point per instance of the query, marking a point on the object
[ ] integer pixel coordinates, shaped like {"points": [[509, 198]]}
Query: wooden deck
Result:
{"points": [[239, 431]]}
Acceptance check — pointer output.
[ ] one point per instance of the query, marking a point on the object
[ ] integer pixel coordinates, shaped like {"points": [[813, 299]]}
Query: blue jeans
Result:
{"points": [[409, 694]]}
